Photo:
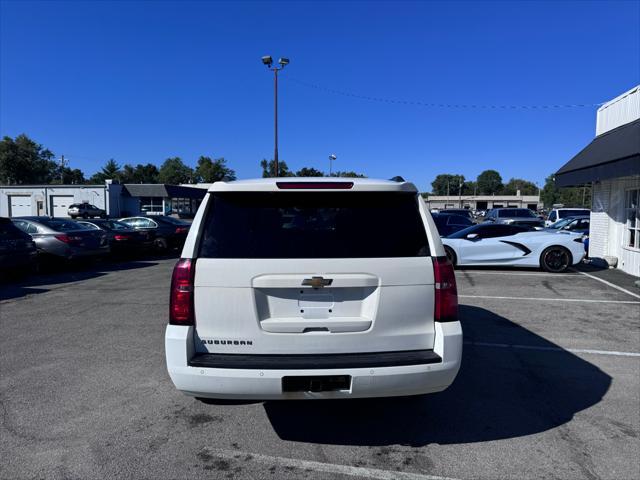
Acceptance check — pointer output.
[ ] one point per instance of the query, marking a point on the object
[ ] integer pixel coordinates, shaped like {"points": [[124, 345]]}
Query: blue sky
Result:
{"points": [[143, 81]]}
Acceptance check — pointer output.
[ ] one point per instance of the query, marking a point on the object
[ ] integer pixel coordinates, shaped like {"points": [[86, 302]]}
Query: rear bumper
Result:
{"points": [[190, 375]]}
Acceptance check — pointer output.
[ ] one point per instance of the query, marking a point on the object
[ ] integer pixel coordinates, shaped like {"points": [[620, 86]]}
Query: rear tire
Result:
{"points": [[451, 255], [555, 259], [160, 245]]}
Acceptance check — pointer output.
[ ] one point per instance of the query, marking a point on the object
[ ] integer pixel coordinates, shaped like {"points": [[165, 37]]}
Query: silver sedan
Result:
{"points": [[63, 238]]}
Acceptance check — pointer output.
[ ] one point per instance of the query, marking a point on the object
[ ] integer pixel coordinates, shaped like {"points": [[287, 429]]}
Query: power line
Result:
{"points": [[441, 105]]}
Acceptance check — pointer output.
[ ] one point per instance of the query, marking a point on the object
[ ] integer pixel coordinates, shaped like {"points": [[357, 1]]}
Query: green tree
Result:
{"points": [[210, 171], [139, 174], [69, 176], [489, 182], [470, 188], [174, 171], [348, 174], [110, 171], [24, 161], [269, 169], [567, 196], [309, 172], [526, 187], [447, 184]]}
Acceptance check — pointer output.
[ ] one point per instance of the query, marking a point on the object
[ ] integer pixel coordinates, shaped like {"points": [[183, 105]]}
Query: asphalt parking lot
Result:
{"points": [[549, 388]]}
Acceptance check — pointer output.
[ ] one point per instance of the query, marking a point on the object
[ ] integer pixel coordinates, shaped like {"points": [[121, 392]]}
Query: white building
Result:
{"points": [[117, 200], [611, 163], [484, 202], [51, 200]]}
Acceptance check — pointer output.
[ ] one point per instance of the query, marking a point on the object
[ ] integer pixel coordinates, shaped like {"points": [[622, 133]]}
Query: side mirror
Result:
{"points": [[472, 236]]}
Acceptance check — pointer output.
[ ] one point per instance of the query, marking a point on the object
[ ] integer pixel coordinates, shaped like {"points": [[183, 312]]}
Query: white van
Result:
{"points": [[313, 288], [560, 213]]}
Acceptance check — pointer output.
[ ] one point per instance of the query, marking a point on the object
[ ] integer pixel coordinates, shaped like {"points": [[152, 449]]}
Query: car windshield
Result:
{"points": [[561, 223], [515, 212], [64, 225], [9, 230], [314, 225], [464, 232]]}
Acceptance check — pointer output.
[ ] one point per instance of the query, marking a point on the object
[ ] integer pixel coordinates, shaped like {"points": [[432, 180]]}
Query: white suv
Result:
{"points": [[297, 288]]}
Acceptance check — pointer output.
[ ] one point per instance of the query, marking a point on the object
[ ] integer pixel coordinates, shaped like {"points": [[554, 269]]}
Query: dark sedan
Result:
{"points": [[448, 224], [63, 238], [168, 232], [122, 238], [17, 249]]}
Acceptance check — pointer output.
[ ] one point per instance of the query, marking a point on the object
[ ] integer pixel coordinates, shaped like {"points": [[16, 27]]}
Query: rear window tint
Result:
{"points": [[515, 212], [64, 225], [313, 225], [572, 213]]}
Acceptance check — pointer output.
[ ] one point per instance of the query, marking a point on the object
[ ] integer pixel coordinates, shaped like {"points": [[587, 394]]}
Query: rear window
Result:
{"points": [[515, 212], [571, 213], [63, 225], [313, 225]]}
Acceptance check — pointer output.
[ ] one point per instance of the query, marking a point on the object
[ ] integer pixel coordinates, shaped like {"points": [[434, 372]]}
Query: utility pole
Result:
{"points": [[61, 169], [283, 62]]}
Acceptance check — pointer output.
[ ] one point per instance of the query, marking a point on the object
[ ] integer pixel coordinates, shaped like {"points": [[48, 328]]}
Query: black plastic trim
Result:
{"points": [[302, 362]]}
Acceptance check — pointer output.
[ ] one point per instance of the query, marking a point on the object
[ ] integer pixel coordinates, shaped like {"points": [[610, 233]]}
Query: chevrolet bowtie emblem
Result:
{"points": [[317, 282]]}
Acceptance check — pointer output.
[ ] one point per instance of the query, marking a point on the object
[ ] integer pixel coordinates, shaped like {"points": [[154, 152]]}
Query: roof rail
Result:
{"points": [[397, 178]]}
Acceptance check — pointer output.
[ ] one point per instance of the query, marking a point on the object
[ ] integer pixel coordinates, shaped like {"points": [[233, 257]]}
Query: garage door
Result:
{"points": [[60, 205], [20, 205]]}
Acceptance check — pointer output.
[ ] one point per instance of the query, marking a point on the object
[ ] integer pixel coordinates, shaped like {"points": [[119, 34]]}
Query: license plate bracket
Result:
{"points": [[316, 383]]}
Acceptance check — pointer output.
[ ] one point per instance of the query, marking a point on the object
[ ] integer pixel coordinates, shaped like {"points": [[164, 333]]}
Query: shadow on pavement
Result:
{"points": [[55, 273], [499, 393]]}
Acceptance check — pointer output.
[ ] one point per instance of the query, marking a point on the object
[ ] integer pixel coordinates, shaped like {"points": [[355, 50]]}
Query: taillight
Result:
{"points": [[182, 229], [446, 297], [121, 237], [181, 301], [63, 238], [314, 185]]}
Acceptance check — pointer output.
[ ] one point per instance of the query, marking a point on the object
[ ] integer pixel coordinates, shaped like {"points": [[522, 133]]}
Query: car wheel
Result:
{"points": [[73, 217], [103, 215], [85, 215], [160, 244], [555, 259], [451, 255]]}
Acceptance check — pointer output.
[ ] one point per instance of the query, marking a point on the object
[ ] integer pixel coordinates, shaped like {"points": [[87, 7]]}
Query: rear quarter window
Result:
{"points": [[313, 225]]}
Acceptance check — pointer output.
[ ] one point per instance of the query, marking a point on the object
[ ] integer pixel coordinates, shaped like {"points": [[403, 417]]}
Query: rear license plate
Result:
{"points": [[323, 383]]}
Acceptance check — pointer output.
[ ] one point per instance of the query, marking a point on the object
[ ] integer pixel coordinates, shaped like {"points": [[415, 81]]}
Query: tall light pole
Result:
{"points": [[332, 157], [283, 62]]}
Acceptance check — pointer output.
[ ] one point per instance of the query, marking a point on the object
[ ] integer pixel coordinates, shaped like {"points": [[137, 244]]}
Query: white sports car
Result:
{"points": [[512, 245]]}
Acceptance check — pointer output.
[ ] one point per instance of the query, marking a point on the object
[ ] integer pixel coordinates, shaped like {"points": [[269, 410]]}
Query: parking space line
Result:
{"points": [[613, 285], [362, 472], [555, 349], [554, 299], [531, 274]]}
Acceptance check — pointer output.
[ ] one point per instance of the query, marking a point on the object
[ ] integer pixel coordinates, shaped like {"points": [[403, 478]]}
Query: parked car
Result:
{"points": [[312, 289], [464, 212], [578, 225], [122, 238], [17, 248], [491, 244], [448, 224], [85, 210], [514, 216], [167, 232], [63, 238], [560, 213]]}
